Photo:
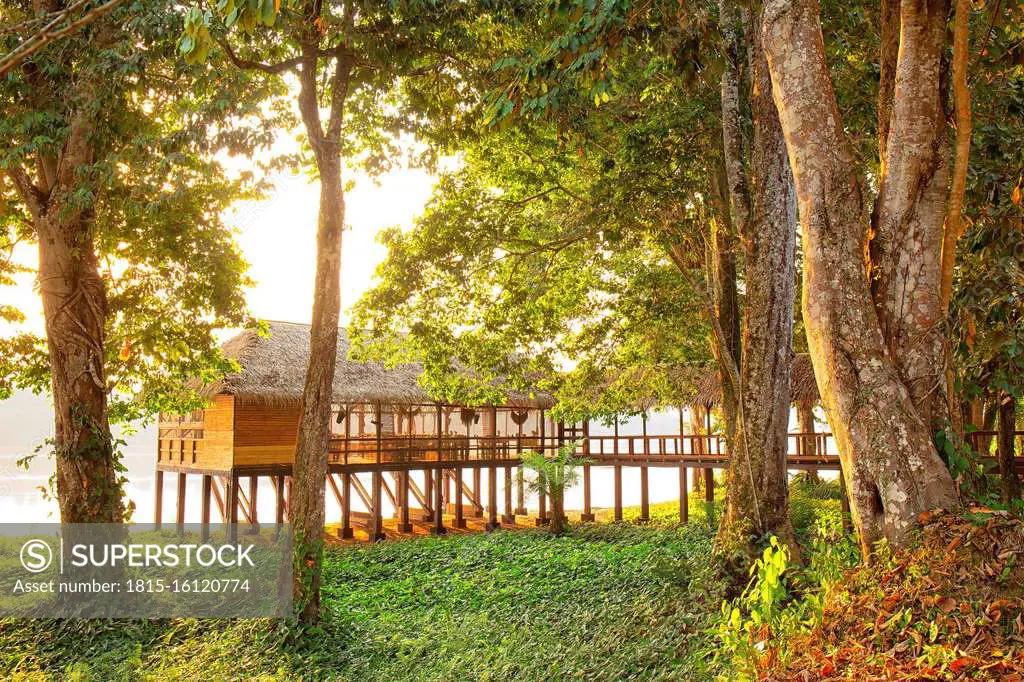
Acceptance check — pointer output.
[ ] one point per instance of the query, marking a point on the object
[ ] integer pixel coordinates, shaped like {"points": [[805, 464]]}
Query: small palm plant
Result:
{"points": [[552, 475]]}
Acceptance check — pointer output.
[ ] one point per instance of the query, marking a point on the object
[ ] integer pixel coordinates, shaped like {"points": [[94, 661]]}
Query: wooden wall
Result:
{"points": [[203, 439], [264, 434]]}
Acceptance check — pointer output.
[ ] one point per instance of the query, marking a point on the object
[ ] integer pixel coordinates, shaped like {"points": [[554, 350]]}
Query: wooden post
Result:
{"points": [[278, 480], [180, 516], [231, 505], [377, 522], [404, 525], [428, 494], [492, 499], [460, 521], [645, 502], [520, 491], [204, 513], [477, 510], [158, 497], [618, 492], [684, 497], [587, 514], [346, 506], [289, 481], [254, 485], [509, 515], [439, 528], [709, 473]]}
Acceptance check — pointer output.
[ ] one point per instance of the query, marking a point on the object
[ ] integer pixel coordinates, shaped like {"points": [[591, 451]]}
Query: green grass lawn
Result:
{"points": [[608, 601]]}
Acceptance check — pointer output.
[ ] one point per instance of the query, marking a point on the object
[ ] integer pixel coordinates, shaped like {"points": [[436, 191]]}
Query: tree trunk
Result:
{"points": [[310, 469], [1005, 448], [75, 307], [892, 469], [757, 497], [557, 526], [805, 424], [906, 245]]}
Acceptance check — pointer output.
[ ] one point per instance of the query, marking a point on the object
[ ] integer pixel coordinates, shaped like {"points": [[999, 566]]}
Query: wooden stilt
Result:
{"points": [[231, 505], [254, 486], [478, 508], [509, 515], [460, 520], [618, 492], [377, 520], [684, 497], [204, 513], [346, 506], [180, 515], [492, 499], [587, 514], [439, 528], [278, 480], [158, 499], [404, 525], [428, 495], [645, 502], [709, 485]]}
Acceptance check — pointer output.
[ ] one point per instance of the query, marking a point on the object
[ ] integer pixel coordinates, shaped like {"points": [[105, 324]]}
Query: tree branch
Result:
{"points": [[50, 32], [962, 102], [28, 192]]}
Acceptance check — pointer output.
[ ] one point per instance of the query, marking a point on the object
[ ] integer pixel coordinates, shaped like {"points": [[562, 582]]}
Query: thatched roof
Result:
{"points": [[273, 371], [707, 390]]}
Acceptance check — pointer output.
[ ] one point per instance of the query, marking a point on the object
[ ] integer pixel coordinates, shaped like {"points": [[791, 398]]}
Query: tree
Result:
{"points": [[872, 354], [107, 167], [552, 475], [383, 70]]}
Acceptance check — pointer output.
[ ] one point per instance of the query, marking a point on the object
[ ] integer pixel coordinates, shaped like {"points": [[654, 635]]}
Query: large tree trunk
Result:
{"points": [[1005, 448], [906, 245], [757, 500], [310, 468], [75, 307], [892, 469]]}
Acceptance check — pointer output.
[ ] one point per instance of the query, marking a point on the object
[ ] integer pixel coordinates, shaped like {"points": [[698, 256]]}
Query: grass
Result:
{"points": [[608, 601]]}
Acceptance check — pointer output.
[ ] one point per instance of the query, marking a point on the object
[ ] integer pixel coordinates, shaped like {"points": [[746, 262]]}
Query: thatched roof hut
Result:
{"points": [[707, 390], [273, 372]]}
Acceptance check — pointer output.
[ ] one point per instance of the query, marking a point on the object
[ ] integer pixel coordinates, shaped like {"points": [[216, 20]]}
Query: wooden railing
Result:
{"points": [[805, 450]]}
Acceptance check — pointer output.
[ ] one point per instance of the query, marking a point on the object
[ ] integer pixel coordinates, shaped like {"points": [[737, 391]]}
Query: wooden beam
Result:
{"points": [[278, 480], [254, 486], [158, 499], [492, 498], [684, 497], [404, 524], [588, 514], [346, 505], [508, 516], [219, 499], [645, 501], [204, 514], [460, 521], [180, 516], [618, 492], [439, 479], [231, 504], [377, 518]]}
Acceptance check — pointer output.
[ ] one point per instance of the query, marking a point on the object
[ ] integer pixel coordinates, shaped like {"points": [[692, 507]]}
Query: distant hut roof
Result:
{"points": [[273, 371], [707, 390]]}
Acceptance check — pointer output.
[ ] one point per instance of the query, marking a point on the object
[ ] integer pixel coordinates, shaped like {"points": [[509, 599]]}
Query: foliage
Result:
{"points": [[950, 607], [553, 474], [153, 190], [608, 601]]}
